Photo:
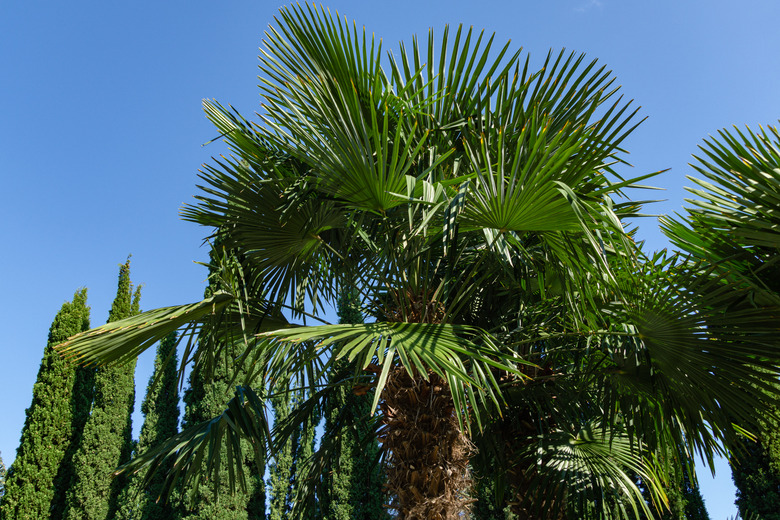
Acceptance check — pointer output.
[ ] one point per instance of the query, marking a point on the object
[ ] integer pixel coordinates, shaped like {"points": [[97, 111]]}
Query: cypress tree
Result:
{"points": [[284, 472], [205, 398], [353, 487], [306, 439], [694, 502], [281, 471], [161, 421], [107, 439], [756, 475], [38, 477], [485, 507], [685, 500]]}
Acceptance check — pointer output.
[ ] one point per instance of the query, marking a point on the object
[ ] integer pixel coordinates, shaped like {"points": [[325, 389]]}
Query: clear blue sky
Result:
{"points": [[101, 131]]}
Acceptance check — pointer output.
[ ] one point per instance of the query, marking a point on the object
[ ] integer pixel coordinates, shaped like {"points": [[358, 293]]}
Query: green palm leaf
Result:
{"points": [[462, 355], [195, 453], [740, 195], [123, 340]]}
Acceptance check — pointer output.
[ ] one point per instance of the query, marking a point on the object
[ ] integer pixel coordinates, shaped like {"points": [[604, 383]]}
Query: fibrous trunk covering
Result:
{"points": [[427, 454]]}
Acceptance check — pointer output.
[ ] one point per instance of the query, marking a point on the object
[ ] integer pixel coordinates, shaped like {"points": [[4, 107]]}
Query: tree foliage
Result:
{"points": [[41, 473], [757, 477], [139, 500], [280, 482], [694, 502], [107, 439], [2, 478], [209, 390], [217, 499], [734, 224], [685, 500]]}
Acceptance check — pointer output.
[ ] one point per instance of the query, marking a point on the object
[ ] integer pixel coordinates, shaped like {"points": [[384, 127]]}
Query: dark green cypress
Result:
{"points": [[285, 470], [485, 507], [685, 500], [281, 470], [206, 398], [694, 502], [107, 440], [161, 421], [35, 483], [305, 450], [353, 487], [756, 474]]}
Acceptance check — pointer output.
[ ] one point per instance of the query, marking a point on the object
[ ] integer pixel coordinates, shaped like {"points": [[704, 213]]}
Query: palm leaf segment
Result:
{"points": [[468, 199], [735, 220]]}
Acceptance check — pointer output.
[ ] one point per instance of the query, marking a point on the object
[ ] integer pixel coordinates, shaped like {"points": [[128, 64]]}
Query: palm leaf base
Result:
{"points": [[428, 475]]}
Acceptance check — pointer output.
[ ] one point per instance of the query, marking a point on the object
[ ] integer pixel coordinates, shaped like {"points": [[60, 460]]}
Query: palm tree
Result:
{"points": [[734, 224], [512, 323]]}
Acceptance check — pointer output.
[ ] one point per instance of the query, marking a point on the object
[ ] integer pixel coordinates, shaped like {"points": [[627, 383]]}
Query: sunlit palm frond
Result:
{"points": [[735, 221], [123, 340], [463, 356], [329, 105], [742, 196]]}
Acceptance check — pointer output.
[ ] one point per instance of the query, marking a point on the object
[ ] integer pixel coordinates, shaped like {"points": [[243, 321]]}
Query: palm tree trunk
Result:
{"points": [[428, 474]]}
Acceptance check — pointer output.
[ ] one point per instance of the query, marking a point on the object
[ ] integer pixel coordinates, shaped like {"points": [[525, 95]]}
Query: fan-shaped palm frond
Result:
{"points": [[736, 221], [195, 453]]}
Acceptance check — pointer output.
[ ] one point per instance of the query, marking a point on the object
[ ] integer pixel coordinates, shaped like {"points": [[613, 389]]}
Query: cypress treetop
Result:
{"points": [[107, 440]]}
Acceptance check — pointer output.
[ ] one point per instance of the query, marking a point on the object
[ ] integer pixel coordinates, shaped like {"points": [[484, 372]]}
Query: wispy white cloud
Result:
{"points": [[588, 5]]}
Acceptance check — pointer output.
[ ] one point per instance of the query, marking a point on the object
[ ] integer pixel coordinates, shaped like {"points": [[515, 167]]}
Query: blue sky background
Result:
{"points": [[101, 131]]}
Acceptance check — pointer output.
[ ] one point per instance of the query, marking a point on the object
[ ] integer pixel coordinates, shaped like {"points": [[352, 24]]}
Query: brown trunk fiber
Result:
{"points": [[427, 454]]}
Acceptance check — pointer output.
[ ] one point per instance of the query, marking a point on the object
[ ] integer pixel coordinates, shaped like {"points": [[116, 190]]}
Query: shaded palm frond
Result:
{"points": [[195, 454]]}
